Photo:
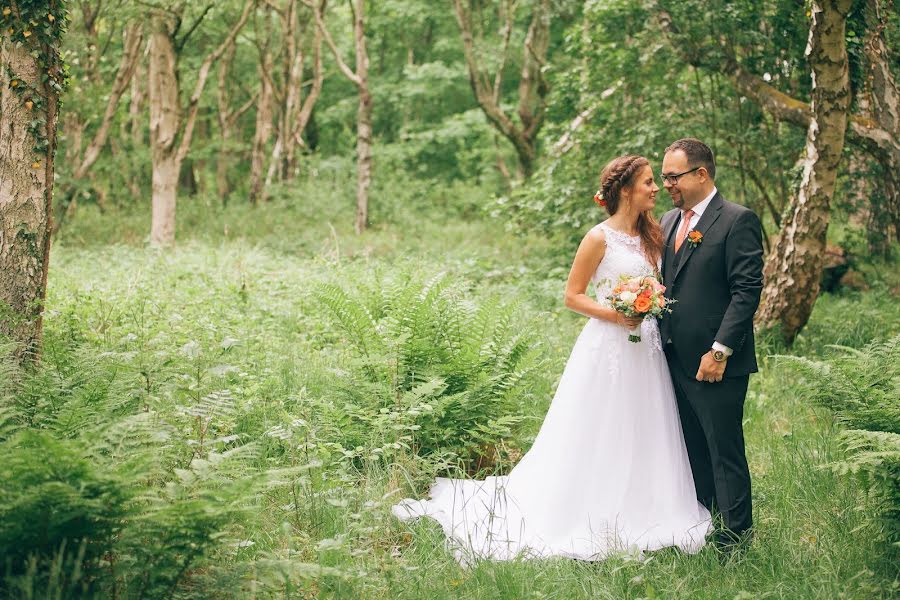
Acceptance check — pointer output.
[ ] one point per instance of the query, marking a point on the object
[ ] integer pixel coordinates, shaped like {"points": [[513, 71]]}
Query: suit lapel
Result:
{"points": [[709, 217]]}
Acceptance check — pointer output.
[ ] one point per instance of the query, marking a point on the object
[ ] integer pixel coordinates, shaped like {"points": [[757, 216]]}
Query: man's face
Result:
{"points": [[687, 186]]}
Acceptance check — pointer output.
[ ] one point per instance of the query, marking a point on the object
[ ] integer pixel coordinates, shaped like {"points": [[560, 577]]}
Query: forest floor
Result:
{"points": [[223, 341]]}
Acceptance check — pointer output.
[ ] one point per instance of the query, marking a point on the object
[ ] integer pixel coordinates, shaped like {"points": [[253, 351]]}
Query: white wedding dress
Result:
{"points": [[608, 472]]}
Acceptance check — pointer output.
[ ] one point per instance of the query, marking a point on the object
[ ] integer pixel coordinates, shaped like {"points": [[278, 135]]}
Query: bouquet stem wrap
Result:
{"points": [[634, 335]]}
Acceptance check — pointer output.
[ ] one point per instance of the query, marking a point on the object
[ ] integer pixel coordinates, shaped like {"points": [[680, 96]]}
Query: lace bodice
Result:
{"points": [[623, 256]]}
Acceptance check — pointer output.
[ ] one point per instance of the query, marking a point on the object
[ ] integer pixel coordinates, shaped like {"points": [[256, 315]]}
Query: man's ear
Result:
{"points": [[704, 174]]}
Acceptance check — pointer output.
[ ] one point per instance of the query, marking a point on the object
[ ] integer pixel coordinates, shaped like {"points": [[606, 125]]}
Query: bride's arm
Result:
{"points": [[590, 253]]}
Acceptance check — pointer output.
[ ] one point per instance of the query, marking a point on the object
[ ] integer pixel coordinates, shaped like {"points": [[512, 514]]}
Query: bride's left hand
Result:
{"points": [[710, 370]]}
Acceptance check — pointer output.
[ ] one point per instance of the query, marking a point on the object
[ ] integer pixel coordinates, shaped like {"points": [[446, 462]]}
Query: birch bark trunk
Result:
{"points": [[167, 123], [794, 268]]}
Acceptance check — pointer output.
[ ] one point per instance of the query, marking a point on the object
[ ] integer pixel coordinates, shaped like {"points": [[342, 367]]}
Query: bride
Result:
{"points": [[608, 471]]}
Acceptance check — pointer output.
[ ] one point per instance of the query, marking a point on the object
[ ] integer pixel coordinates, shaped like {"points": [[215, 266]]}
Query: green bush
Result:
{"points": [[100, 497], [58, 510], [430, 369]]}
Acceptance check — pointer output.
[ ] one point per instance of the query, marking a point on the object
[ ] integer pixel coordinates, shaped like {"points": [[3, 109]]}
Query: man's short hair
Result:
{"points": [[698, 154]]}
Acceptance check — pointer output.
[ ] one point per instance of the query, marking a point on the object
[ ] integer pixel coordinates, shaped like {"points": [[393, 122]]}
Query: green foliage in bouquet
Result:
{"points": [[861, 387]]}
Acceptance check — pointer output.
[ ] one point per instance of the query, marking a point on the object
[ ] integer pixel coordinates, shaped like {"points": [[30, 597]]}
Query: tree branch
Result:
{"points": [[320, 23], [477, 78], [133, 38], [504, 54], [180, 44], [204, 74], [863, 132]]}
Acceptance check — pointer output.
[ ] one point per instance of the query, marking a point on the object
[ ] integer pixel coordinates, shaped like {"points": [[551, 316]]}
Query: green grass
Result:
{"points": [[133, 331]]}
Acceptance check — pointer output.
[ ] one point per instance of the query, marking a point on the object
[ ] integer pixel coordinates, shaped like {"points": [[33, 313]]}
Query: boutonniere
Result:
{"points": [[694, 238]]}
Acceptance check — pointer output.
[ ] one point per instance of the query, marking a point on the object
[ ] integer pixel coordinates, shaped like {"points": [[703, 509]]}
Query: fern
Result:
{"points": [[861, 387], [460, 367]]}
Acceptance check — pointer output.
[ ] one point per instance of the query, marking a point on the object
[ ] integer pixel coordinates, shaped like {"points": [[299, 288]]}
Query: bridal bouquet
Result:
{"points": [[639, 297]]}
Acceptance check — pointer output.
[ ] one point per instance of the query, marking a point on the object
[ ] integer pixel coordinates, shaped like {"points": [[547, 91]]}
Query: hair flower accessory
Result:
{"points": [[598, 198], [694, 238]]}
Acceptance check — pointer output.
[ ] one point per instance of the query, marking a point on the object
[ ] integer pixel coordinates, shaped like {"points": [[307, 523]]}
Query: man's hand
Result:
{"points": [[710, 370]]}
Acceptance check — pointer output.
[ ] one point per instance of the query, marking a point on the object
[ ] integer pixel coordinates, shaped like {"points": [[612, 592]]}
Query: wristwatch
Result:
{"points": [[718, 355]]}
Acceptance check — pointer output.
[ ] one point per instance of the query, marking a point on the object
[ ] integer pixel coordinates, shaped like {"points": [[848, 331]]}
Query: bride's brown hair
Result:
{"points": [[620, 173]]}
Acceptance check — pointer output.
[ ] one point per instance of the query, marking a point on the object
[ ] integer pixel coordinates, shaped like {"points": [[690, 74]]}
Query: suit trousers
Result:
{"points": [[712, 420]]}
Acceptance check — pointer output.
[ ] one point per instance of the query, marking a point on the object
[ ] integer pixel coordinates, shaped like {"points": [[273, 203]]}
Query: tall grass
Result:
{"points": [[861, 387]]}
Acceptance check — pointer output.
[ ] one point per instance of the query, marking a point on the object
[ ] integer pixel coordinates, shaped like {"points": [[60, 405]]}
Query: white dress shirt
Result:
{"points": [[695, 218], [698, 211]]}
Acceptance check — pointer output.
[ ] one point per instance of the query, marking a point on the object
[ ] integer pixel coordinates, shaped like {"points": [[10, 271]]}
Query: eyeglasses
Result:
{"points": [[673, 179]]}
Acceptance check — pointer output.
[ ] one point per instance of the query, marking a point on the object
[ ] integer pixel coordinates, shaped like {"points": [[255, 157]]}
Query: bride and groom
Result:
{"points": [[642, 447]]}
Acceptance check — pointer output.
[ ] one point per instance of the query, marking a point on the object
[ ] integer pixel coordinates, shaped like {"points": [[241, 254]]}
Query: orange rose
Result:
{"points": [[642, 304], [695, 237]]}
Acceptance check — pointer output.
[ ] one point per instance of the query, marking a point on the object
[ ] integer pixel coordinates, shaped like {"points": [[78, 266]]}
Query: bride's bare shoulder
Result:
{"points": [[596, 235]]}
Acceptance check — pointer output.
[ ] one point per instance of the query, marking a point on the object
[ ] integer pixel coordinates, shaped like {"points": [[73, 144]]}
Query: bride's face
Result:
{"points": [[643, 191]]}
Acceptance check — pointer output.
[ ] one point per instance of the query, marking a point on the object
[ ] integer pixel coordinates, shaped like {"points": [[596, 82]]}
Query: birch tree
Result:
{"points": [[295, 110], [794, 267]]}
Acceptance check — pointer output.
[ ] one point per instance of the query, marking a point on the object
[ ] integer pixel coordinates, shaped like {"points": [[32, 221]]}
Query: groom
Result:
{"points": [[712, 266]]}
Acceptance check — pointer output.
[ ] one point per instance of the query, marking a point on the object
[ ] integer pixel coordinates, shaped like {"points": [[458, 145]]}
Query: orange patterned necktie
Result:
{"points": [[683, 230]]}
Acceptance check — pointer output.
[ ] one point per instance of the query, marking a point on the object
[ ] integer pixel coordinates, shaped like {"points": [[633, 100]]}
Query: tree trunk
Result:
{"points": [[794, 268], [164, 126], [363, 121], [532, 84], [360, 77], [26, 190], [882, 98], [223, 160], [295, 110], [290, 95], [263, 133], [166, 123]]}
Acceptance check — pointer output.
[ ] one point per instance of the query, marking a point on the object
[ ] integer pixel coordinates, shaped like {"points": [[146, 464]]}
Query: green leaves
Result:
{"points": [[861, 387], [444, 374]]}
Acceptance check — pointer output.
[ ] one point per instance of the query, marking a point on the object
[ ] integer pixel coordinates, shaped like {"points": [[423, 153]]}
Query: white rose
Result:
{"points": [[628, 297]]}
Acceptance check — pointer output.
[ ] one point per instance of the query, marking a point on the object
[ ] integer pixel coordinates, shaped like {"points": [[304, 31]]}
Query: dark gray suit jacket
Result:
{"points": [[717, 285]]}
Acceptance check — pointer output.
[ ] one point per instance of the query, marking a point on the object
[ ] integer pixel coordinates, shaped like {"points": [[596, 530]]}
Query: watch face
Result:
{"points": [[718, 355]]}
